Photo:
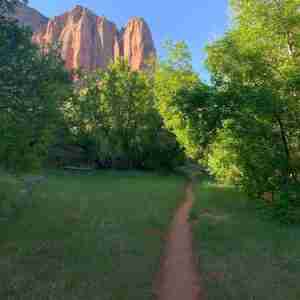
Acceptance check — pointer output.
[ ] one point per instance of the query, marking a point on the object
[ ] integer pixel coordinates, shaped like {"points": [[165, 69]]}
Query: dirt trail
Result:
{"points": [[179, 277]]}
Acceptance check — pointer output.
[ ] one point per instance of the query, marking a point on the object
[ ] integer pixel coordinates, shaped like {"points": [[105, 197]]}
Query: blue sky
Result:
{"points": [[195, 21]]}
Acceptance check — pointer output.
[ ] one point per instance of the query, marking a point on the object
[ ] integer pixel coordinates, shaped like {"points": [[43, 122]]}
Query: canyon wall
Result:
{"points": [[89, 41]]}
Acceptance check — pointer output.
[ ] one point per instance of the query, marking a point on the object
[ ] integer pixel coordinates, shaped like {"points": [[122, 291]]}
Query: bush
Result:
{"points": [[243, 156], [246, 154]]}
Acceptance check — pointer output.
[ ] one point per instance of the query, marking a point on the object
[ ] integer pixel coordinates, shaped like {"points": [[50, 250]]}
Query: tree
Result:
{"points": [[32, 85], [174, 79], [113, 113], [8, 6], [257, 63], [245, 125]]}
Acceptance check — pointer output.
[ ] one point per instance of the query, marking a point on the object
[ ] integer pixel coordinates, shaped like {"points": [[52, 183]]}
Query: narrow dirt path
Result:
{"points": [[179, 278]]}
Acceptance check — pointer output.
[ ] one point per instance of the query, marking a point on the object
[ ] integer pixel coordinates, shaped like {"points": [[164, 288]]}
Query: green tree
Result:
{"points": [[113, 113], [174, 79], [245, 125], [8, 6], [256, 67], [261, 53], [32, 85]]}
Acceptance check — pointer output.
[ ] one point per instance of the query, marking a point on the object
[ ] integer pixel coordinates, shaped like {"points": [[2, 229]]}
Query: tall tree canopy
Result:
{"points": [[245, 125], [8, 6], [257, 64], [32, 84], [173, 78], [114, 112]]}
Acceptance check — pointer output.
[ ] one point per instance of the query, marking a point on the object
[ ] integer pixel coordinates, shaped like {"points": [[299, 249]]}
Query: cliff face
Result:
{"points": [[137, 43], [89, 41]]}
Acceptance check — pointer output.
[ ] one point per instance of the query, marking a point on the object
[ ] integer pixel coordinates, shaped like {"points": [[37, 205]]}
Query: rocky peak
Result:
{"points": [[89, 41], [138, 44], [80, 12]]}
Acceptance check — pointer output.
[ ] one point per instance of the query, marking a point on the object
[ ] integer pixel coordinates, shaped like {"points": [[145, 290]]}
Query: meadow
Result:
{"points": [[91, 236], [241, 254]]}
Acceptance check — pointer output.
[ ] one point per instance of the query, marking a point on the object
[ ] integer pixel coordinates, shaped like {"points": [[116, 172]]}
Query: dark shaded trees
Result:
{"points": [[112, 115], [32, 85]]}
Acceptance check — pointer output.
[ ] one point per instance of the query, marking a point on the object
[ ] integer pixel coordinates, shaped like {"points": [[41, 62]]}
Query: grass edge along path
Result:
{"points": [[243, 256]]}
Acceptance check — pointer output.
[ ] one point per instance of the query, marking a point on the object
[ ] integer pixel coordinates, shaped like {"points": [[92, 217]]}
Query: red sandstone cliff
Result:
{"points": [[89, 41], [137, 43]]}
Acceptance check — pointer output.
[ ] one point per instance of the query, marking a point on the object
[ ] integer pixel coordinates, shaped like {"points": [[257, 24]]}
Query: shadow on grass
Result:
{"points": [[242, 255]]}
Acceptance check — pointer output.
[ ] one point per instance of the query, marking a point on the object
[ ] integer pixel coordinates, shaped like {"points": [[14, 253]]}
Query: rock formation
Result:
{"points": [[88, 41], [137, 43]]}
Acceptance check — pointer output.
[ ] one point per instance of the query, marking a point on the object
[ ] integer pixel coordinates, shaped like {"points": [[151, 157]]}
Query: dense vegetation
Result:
{"points": [[243, 126], [112, 116], [257, 65], [32, 86], [8, 6]]}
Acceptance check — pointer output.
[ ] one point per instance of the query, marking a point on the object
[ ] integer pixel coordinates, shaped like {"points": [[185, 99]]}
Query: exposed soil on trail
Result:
{"points": [[179, 278]]}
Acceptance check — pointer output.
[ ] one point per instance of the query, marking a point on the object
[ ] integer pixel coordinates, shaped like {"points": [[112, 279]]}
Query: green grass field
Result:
{"points": [[88, 237], [243, 257]]}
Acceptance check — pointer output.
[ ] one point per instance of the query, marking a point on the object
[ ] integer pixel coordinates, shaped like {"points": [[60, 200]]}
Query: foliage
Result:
{"points": [[245, 154], [245, 125], [223, 159], [32, 84], [174, 79], [257, 63], [8, 6], [113, 116]]}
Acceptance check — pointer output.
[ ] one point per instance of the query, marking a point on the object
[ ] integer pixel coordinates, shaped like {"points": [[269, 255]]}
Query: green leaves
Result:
{"points": [[32, 86], [115, 109], [8, 6], [255, 67], [174, 79], [244, 126]]}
